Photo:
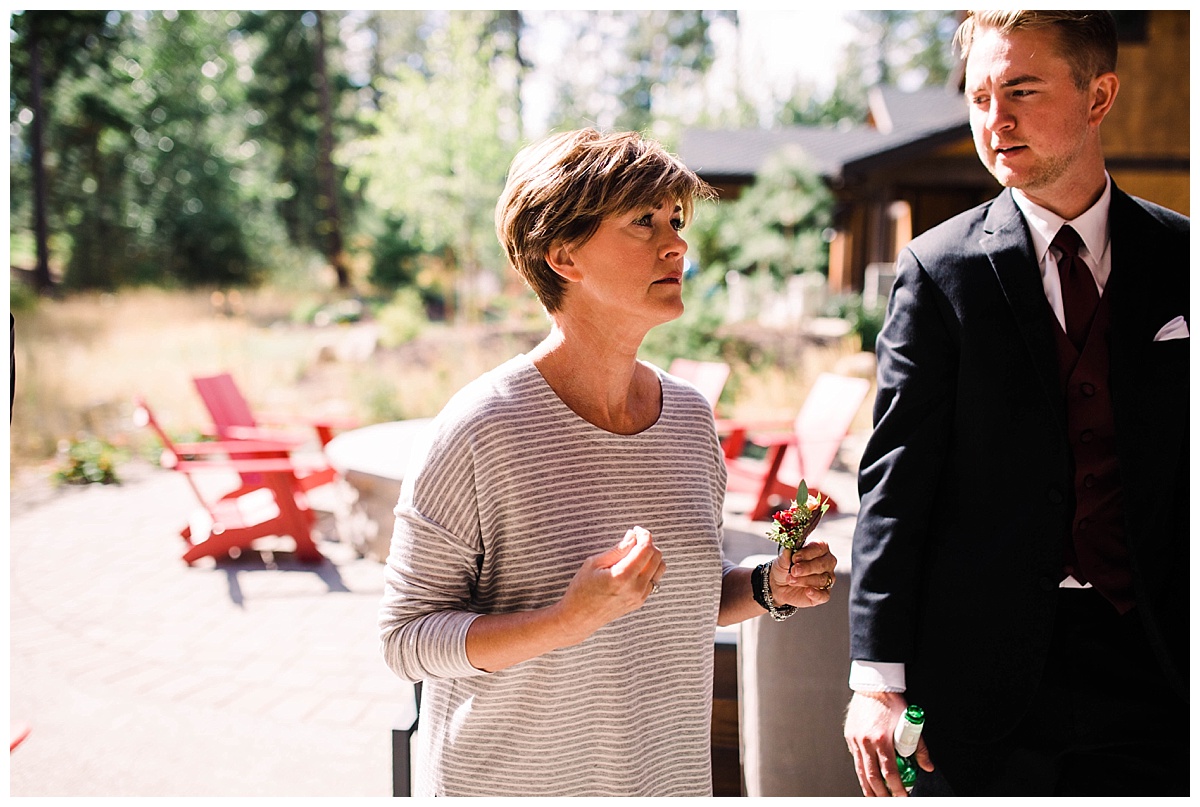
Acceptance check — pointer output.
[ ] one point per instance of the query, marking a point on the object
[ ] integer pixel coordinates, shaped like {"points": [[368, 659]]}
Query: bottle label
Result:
{"points": [[906, 738]]}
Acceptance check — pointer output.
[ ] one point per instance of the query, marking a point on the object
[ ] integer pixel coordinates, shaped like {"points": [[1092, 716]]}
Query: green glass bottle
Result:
{"points": [[908, 732]]}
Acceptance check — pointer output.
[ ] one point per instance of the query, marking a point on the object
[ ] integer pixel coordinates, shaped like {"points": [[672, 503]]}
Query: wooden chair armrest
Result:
{"points": [[258, 433], [241, 466], [234, 447], [324, 426], [734, 434], [331, 422], [769, 439], [729, 425]]}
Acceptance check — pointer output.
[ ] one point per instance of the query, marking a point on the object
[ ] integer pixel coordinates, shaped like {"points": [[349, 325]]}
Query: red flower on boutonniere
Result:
{"points": [[791, 527]]}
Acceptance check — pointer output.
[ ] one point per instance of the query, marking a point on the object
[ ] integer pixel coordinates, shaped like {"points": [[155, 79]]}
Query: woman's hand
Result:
{"points": [[607, 586], [612, 584], [803, 577]]}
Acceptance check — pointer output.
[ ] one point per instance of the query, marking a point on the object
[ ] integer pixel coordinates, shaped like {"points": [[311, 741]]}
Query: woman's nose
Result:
{"points": [[674, 246]]}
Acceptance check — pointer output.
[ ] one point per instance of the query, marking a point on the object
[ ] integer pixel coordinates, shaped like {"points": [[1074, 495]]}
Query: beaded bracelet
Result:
{"points": [[760, 582]]}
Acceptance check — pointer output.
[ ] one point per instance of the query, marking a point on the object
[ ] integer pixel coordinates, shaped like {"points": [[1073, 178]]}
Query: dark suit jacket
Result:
{"points": [[966, 481]]}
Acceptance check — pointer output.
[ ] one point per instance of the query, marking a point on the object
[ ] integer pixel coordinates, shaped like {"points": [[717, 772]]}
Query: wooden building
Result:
{"points": [[912, 163]]}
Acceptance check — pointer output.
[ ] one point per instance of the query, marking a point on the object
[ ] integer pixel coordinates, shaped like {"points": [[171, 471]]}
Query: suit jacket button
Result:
{"points": [[1085, 436], [1089, 481], [1054, 496], [1087, 389]]}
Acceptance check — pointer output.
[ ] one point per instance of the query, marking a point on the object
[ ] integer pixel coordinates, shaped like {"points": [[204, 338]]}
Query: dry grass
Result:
{"points": [[80, 361]]}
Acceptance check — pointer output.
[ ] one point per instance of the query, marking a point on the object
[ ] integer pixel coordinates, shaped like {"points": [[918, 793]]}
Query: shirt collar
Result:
{"points": [[1092, 224]]}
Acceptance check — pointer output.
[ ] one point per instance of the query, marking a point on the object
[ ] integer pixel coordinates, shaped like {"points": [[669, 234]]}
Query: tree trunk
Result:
{"points": [[326, 171], [41, 272]]}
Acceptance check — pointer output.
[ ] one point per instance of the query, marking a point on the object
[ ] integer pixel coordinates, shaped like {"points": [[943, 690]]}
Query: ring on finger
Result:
{"points": [[828, 583]]}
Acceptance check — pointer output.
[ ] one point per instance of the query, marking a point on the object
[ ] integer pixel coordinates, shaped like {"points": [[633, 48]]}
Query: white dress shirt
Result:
{"points": [[1092, 227]]}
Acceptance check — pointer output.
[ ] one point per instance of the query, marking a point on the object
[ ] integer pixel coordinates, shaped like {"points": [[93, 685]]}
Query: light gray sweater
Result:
{"points": [[498, 510]]}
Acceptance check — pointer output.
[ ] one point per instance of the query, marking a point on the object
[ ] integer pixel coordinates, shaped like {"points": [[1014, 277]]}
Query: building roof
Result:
{"points": [[899, 124]]}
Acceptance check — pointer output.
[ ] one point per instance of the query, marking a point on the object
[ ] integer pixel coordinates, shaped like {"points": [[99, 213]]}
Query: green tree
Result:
{"points": [[330, 225], [44, 46], [847, 102], [776, 226], [893, 47], [397, 38], [662, 49], [447, 127], [898, 46], [301, 107], [188, 159], [144, 150], [623, 69], [396, 255]]}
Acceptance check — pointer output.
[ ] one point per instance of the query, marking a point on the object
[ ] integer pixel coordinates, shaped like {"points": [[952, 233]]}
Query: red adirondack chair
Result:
{"points": [[708, 376], [234, 420], [805, 451], [274, 506]]}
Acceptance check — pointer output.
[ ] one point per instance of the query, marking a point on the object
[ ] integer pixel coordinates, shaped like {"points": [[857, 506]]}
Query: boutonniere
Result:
{"points": [[790, 528]]}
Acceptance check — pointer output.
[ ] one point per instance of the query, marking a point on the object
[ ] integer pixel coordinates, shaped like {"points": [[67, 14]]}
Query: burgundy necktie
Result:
{"points": [[1079, 292]]}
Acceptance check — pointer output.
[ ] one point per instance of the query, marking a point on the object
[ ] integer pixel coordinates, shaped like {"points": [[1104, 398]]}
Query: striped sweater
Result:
{"points": [[498, 510]]}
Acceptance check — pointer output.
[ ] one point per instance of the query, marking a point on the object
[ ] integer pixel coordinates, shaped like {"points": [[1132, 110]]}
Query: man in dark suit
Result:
{"points": [[1020, 564]]}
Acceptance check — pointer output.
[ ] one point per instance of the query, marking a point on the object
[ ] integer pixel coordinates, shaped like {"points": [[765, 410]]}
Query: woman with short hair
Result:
{"points": [[556, 573]]}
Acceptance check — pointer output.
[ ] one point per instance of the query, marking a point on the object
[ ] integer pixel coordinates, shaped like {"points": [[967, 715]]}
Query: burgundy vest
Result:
{"points": [[1096, 551]]}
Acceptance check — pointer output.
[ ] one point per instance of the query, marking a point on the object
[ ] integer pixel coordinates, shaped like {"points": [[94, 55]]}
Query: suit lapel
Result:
{"points": [[1010, 250]]}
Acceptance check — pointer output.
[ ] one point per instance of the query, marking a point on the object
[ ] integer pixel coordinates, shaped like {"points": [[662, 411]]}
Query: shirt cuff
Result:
{"points": [[876, 676]]}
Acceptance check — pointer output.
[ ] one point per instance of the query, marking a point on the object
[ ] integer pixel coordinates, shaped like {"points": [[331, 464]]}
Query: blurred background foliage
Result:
{"points": [[277, 168], [365, 149]]}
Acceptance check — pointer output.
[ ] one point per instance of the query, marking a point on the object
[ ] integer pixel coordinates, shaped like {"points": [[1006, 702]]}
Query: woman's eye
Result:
{"points": [[677, 224], [645, 221]]}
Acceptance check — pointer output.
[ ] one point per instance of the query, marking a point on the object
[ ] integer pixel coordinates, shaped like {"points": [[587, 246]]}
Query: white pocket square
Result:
{"points": [[1175, 329]]}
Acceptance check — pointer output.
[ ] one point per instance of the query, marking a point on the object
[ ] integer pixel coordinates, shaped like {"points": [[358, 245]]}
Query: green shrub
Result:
{"points": [[395, 253], [306, 310], [402, 319], [865, 322], [342, 312], [88, 460], [380, 398], [695, 335], [21, 297]]}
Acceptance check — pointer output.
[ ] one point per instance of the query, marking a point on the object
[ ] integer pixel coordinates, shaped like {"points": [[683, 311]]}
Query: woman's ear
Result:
{"points": [[559, 258]]}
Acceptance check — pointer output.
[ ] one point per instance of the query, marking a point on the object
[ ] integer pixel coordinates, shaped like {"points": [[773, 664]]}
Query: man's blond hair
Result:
{"points": [[1087, 39], [561, 188]]}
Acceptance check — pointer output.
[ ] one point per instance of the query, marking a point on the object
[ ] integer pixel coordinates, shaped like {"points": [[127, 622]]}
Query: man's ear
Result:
{"points": [[1104, 92], [559, 258]]}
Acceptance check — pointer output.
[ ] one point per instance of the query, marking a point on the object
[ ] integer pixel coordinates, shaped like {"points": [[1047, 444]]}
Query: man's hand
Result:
{"points": [[870, 723]]}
